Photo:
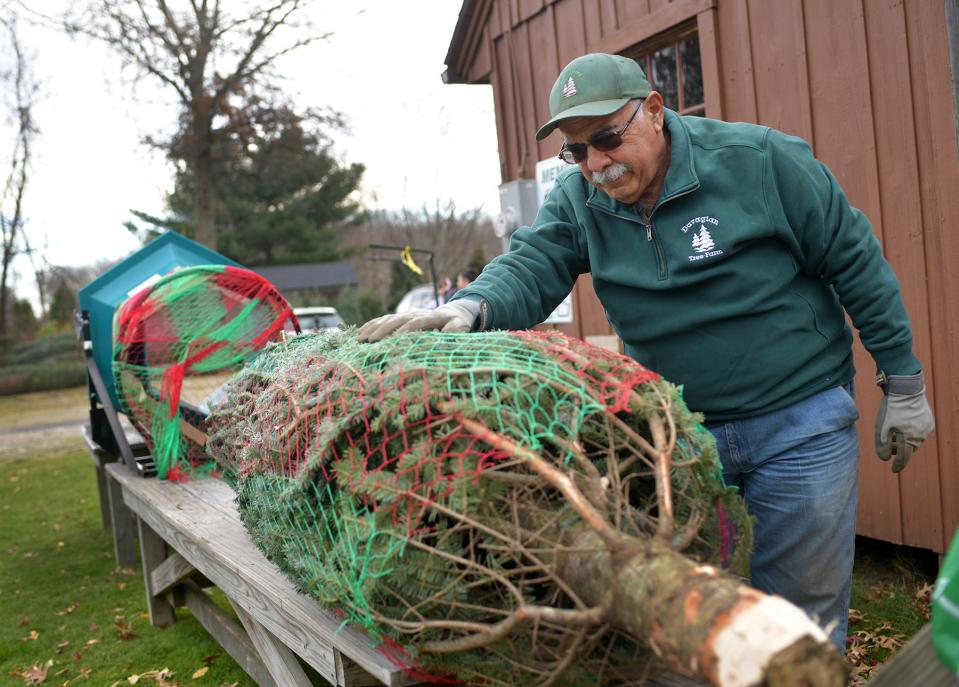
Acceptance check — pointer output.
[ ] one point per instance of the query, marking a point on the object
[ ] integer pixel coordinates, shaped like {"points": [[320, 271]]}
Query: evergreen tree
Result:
{"points": [[283, 196]]}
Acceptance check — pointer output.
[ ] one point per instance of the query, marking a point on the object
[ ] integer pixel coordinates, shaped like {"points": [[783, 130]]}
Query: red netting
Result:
{"points": [[178, 341]]}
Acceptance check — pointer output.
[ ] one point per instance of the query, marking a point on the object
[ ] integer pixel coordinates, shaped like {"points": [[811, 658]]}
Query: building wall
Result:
{"points": [[867, 83]]}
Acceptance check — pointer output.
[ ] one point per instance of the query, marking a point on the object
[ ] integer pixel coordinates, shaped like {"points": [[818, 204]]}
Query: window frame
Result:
{"points": [[643, 53]]}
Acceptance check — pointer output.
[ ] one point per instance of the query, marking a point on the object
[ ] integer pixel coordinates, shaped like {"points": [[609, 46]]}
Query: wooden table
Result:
{"points": [[191, 536]]}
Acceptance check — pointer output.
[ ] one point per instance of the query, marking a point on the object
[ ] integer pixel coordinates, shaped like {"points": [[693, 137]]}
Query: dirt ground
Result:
{"points": [[44, 423]]}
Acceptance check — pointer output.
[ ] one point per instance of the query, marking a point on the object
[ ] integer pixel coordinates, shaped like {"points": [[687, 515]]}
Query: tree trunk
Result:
{"points": [[204, 193], [699, 620]]}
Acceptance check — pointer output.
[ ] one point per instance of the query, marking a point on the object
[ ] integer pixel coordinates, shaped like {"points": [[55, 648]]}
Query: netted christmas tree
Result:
{"points": [[176, 342], [509, 508]]}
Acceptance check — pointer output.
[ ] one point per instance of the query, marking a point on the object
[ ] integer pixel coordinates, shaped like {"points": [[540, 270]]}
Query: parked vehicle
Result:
{"points": [[318, 319], [417, 298]]}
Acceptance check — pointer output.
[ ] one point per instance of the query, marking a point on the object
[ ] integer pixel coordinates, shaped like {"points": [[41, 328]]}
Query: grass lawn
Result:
{"points": [[67, 615]]}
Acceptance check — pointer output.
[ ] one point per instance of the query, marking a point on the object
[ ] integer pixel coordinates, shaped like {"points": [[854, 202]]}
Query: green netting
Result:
{"points": [[179, 340], [431, 488]]}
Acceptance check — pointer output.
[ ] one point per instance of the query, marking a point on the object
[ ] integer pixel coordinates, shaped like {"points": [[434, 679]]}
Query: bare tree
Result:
{"points": [[208, 57], [21, 90]]}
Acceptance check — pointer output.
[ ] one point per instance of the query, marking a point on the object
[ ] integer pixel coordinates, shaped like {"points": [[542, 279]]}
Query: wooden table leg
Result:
{"points": [[122, 520], [152, 554]]}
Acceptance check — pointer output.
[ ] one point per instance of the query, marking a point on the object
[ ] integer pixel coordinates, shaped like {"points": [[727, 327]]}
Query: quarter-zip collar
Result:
{"points": [[680, 177]]}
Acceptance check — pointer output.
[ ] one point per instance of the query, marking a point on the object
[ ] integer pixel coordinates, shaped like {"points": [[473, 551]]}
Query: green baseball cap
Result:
{"points": [[594, 85]]}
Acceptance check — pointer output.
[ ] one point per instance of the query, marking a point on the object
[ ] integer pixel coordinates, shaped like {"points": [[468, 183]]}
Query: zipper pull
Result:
{"points": [[649, 233]]}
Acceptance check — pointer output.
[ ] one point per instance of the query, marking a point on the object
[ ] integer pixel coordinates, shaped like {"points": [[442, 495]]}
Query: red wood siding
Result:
{"points": [[867, 83]]}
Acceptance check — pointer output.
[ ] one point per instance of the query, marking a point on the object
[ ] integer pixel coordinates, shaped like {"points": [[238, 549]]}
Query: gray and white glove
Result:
{"points": [[457, 316], [904, 419]]}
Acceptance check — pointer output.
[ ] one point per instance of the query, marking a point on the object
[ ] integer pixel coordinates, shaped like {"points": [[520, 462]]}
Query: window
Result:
{"points": [[673, 68]]}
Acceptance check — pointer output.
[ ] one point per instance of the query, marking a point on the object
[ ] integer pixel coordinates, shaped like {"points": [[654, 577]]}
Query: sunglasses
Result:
{"points": [[604, 141]]}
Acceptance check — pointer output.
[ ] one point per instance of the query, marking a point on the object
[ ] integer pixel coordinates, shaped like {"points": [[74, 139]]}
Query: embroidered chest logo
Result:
{"points": [[703, 243], [569, 89]]}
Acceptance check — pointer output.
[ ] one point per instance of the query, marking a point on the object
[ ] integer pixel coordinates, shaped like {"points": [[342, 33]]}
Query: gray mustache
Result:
{"points": [[611, 173]]}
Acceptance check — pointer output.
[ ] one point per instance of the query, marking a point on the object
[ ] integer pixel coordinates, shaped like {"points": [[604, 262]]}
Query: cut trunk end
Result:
{"points": [[701, 621]]}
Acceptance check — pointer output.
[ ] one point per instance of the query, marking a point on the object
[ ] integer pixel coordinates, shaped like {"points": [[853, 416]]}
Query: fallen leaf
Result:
{"points": [[126, 632], [24, 621], [31, 637], [85, 672], [200, 672], [77, 655], [207, 660], [61, 672], [121, 586], [69, 609], [60, 544], [35, 675], [93, 641], [129, 572], [133, 679], [61, 646]]}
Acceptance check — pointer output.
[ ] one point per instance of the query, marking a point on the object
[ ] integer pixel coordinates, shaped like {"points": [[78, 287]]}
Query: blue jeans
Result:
{"points": [[797, 469]]}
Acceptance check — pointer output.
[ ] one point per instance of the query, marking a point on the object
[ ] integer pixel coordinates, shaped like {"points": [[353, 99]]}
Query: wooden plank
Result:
{"points": [[939, 188], [528, 8], [777, 36], [845, 139], [591, 314], [525, 100], [545, 67], [607, 17], [121, 521], [915, 665], [278, 659], [738, 87], [227, 633], [916, 489], [350, 674], [635, 32], [570, 33], [591, 25], [633, 10], [507, 120], [265, 592], [709, 58], [170, 572], [233, 562]]}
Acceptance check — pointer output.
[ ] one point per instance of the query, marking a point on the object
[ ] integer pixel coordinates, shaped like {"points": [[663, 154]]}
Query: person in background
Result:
{"points": [[465, 278], [726, 257], [447, 289]]}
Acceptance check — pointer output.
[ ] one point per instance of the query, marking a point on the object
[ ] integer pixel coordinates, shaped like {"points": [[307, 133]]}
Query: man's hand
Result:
{"points": [[904, 420], [457, 316]]}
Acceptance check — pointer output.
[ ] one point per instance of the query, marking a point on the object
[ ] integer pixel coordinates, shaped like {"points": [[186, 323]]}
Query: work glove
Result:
{"points": [[457, 316], [904, 418]]}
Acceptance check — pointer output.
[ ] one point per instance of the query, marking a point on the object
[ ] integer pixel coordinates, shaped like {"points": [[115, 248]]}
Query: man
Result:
{"points": [[724, 255]]}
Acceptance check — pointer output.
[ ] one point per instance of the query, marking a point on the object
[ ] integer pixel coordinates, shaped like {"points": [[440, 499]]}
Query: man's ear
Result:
{"points": [[653, 109]]}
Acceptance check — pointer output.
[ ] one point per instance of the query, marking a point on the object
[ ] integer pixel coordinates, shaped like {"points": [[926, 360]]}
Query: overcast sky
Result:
{"points": [[421, 140]]}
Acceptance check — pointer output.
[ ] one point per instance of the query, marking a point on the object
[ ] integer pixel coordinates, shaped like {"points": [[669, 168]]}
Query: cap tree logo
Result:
{"points": [[569, 89]]}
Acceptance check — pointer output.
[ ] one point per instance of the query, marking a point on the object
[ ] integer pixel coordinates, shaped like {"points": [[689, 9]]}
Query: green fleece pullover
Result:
{"points": [[735, 285]]}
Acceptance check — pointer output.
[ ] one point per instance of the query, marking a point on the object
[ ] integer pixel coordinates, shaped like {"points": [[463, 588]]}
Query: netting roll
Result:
{"points": [[178, 341], [467, 497]]}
